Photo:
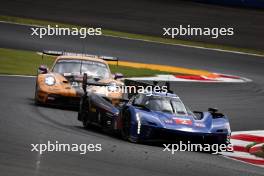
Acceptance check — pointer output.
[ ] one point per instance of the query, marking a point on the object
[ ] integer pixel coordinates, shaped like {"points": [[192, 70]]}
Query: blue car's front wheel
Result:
{"points": [[127, 130]]}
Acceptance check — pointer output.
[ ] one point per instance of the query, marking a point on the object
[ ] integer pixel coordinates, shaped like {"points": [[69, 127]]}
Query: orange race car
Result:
{"points": [[62, 84]]}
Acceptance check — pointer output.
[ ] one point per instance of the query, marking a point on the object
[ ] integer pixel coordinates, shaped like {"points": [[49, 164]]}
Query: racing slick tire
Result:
{"points": [[82, 114], [36, 101], [126, 130]]}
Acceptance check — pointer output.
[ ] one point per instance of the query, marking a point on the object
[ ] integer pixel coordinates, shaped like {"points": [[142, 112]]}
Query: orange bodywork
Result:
{"points": [[63, 88]]}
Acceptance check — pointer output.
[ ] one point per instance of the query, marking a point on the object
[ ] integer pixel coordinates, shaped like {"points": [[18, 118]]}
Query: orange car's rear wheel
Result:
{"points": [[37, 102]]}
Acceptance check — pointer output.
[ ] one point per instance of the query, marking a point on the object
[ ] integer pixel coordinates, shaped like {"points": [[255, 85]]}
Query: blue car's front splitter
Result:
{"points": [[161, 134]]}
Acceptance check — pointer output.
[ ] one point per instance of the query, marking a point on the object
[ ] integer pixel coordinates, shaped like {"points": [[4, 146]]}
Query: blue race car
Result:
{"points": [[154, 116], [163, 116]]}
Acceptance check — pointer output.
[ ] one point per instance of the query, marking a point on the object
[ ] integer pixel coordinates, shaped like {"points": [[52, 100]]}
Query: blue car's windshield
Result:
{"points": [[171, 105]]}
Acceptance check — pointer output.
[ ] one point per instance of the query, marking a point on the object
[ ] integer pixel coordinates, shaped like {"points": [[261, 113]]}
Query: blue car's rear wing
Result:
{"points": [[140, 84]]}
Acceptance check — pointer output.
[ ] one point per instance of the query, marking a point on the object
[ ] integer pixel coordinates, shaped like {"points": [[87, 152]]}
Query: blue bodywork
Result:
{"points": [[147, 124]]}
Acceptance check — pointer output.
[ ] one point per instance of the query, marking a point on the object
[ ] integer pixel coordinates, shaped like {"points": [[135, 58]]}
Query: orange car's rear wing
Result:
{"points": [[62, 53]]}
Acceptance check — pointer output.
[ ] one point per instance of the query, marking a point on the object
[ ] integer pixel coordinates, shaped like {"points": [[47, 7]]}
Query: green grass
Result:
{"points": [[26, 63], [21, 62], [251, 145], [132, 36], [259, 154]]}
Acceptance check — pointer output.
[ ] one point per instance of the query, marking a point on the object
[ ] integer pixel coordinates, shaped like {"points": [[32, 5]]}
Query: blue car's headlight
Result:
{"points": [[50, 80], [138, 118]]}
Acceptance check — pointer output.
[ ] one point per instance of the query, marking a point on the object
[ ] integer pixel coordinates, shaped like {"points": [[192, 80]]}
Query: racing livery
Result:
{"points": [[62, 84], [154, 116]]}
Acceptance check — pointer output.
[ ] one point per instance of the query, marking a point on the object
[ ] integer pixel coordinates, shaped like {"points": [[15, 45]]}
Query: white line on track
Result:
{"points": [[150, 41], [190, 46], [21, 24], [23, 76]]}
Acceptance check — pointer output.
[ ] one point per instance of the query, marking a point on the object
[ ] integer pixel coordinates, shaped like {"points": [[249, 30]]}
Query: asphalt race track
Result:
{"points": [[148, 17], [22, 123]]}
